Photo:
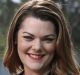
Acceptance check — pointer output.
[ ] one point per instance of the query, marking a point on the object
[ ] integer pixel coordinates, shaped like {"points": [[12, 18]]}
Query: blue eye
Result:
{"points": [[28, 38]]}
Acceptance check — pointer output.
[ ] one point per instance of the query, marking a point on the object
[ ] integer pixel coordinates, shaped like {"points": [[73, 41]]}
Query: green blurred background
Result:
{"points": [[71, 9]]}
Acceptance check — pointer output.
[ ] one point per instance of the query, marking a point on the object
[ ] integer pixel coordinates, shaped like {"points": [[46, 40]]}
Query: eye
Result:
{"points": [[49, 40], [28, 38]]}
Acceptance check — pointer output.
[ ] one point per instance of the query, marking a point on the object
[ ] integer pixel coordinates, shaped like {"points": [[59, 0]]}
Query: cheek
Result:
{"points": [[21, 44], [50, 48]]}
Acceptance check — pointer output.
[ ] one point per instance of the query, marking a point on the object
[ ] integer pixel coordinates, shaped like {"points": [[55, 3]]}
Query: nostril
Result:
{"points": [[36, 45]]}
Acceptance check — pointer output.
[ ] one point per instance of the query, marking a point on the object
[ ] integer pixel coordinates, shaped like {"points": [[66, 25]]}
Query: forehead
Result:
{"points": [[36, 25]]}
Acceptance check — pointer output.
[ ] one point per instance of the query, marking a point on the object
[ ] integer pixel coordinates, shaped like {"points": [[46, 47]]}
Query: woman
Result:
{"points": [[39, 42]]}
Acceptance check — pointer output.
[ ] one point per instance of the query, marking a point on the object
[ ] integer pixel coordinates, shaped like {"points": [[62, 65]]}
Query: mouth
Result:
{"points": [[36, 56]]}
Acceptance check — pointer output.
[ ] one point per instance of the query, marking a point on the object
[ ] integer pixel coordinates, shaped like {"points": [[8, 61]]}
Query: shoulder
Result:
{"points": [[18, 73]]}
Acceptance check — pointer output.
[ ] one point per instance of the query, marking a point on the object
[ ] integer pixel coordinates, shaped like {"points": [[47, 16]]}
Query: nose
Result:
{"points": [[36, 45]]}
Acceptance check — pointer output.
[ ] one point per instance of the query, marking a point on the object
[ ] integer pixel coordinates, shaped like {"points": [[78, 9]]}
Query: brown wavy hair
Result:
{"points": [[63, 62]]}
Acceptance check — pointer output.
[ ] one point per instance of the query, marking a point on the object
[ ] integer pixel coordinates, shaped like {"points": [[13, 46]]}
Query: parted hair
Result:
{"points": [[63, 62]]}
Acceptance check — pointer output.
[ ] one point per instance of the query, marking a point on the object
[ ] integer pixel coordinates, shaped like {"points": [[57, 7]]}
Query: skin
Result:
{"points": [[36, 42]]}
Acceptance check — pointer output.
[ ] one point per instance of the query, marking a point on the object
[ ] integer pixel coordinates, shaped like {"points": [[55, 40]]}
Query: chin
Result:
{"points": [[35, 66]]}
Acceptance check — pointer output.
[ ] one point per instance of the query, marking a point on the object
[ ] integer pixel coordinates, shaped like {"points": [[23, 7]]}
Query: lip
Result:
{"points": [[36, 56]]}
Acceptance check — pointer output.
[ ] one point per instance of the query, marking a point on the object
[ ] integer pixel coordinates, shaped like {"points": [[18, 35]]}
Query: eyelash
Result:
{"points": [[28, 38], [48, 39]]}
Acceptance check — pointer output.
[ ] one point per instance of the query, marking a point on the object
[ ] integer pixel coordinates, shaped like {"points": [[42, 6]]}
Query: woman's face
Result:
{"points": [[36, 43]]}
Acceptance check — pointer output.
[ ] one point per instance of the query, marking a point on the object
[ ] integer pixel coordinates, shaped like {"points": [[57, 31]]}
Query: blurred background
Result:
{"points": [[71, 9]]}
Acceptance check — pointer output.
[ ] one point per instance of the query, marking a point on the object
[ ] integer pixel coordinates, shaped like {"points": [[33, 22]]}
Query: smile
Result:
{"points": [[36, 56]]}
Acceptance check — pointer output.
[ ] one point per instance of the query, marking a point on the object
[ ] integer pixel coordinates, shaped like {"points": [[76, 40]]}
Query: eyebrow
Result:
{"points": [[53, 35], [29, 33]]}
